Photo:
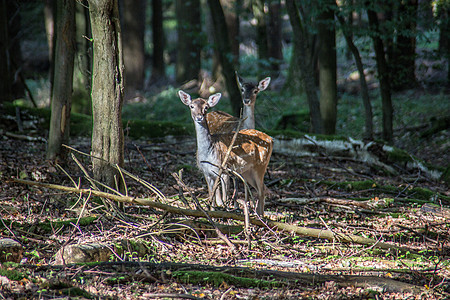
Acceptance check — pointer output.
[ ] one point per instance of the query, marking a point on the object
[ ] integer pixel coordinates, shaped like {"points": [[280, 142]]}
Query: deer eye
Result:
{"points": [[242, 90], [191, 106], [255, 92]]}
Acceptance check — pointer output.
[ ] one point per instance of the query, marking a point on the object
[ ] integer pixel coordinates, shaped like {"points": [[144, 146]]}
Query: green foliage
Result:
{"points": [[218, 278], [11, 273]]}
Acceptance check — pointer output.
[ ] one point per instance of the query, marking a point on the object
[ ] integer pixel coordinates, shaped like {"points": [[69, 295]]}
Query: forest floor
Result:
{"points": [[178, 251]]}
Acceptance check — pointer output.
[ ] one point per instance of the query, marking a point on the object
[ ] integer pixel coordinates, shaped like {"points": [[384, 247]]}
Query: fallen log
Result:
{"points": [[239, 276], [274, 225]]}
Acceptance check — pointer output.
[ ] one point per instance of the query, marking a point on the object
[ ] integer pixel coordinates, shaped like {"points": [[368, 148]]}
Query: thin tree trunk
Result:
{"points": [[81, 99], [304, 67], [5, 75], [158, 70], [261, 29], [225, 56], [275, 38], [230, 10], [327, 68], [107, 91], [133, 46], [63, 79], [368, 132], [383, 74], [189, 41]]}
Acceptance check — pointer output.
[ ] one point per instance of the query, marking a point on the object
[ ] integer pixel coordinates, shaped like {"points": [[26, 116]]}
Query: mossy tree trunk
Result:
{"points": [[63, 79], [223, 45], [107, 91], [327, 67], [302, 63]]}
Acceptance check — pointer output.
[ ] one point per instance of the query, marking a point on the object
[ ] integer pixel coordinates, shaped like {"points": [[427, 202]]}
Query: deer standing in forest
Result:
{"points": [[221, 122], [249, 156]]}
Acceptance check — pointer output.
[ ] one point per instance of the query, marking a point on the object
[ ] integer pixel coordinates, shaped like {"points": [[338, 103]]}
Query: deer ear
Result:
{"points": [[263, 84], [239, 80], [214, 99], [185, 97]]}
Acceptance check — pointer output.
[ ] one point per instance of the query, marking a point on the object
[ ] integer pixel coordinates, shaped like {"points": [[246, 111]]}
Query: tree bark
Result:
{"points": [[63, 79], [403, 55], [81, 98], [304, 67], [189, 40], [368, 129], [327, 67], [275, 37], [107, 91], [133, 46], [15, 50], [225, 56], [383, 75], [49, 14], [5, 75], [158, 70], [261, 29]]}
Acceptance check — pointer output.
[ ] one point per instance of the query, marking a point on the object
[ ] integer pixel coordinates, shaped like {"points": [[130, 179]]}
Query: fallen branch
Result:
{"points": [[238, 273], [303, 231]]}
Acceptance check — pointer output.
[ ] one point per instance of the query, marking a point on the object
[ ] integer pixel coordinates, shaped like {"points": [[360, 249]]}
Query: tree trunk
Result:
{"points": [[5, 75], [133, 46], [275, 37], [304, 67], [158, 70], [107, 91], [368, 130], [224, 54], [63, 79], [402, 61], [189, 40], [261, 29], [15, 51], [327, 67], [81, 98], [230, 11], [383, 75], [49, 14], [444, 36]]}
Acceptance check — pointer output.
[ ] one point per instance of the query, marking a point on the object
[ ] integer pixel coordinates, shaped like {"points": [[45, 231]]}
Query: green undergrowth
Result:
{"points": [[50, 225], [416, 192], [9, 270], [218, 278]]}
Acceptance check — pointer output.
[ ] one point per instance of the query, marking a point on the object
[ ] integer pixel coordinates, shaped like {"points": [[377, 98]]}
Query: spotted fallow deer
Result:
{"points": [[222, 122], [249, 92], [249, 155]]}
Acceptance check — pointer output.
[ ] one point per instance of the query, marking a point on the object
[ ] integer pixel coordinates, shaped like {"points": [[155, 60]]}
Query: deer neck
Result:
{"points": [[249, 116], [206, 150]]}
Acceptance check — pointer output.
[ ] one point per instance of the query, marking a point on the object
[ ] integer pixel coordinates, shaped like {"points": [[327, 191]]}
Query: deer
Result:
{"points": [[249, 156], [221, 122], [249, 91]]}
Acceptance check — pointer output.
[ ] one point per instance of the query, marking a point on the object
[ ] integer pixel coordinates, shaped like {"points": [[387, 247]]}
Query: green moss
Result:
{"points": [[153, 129], [218, 278], [416, 192], [50, 225], [12, 274]]}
